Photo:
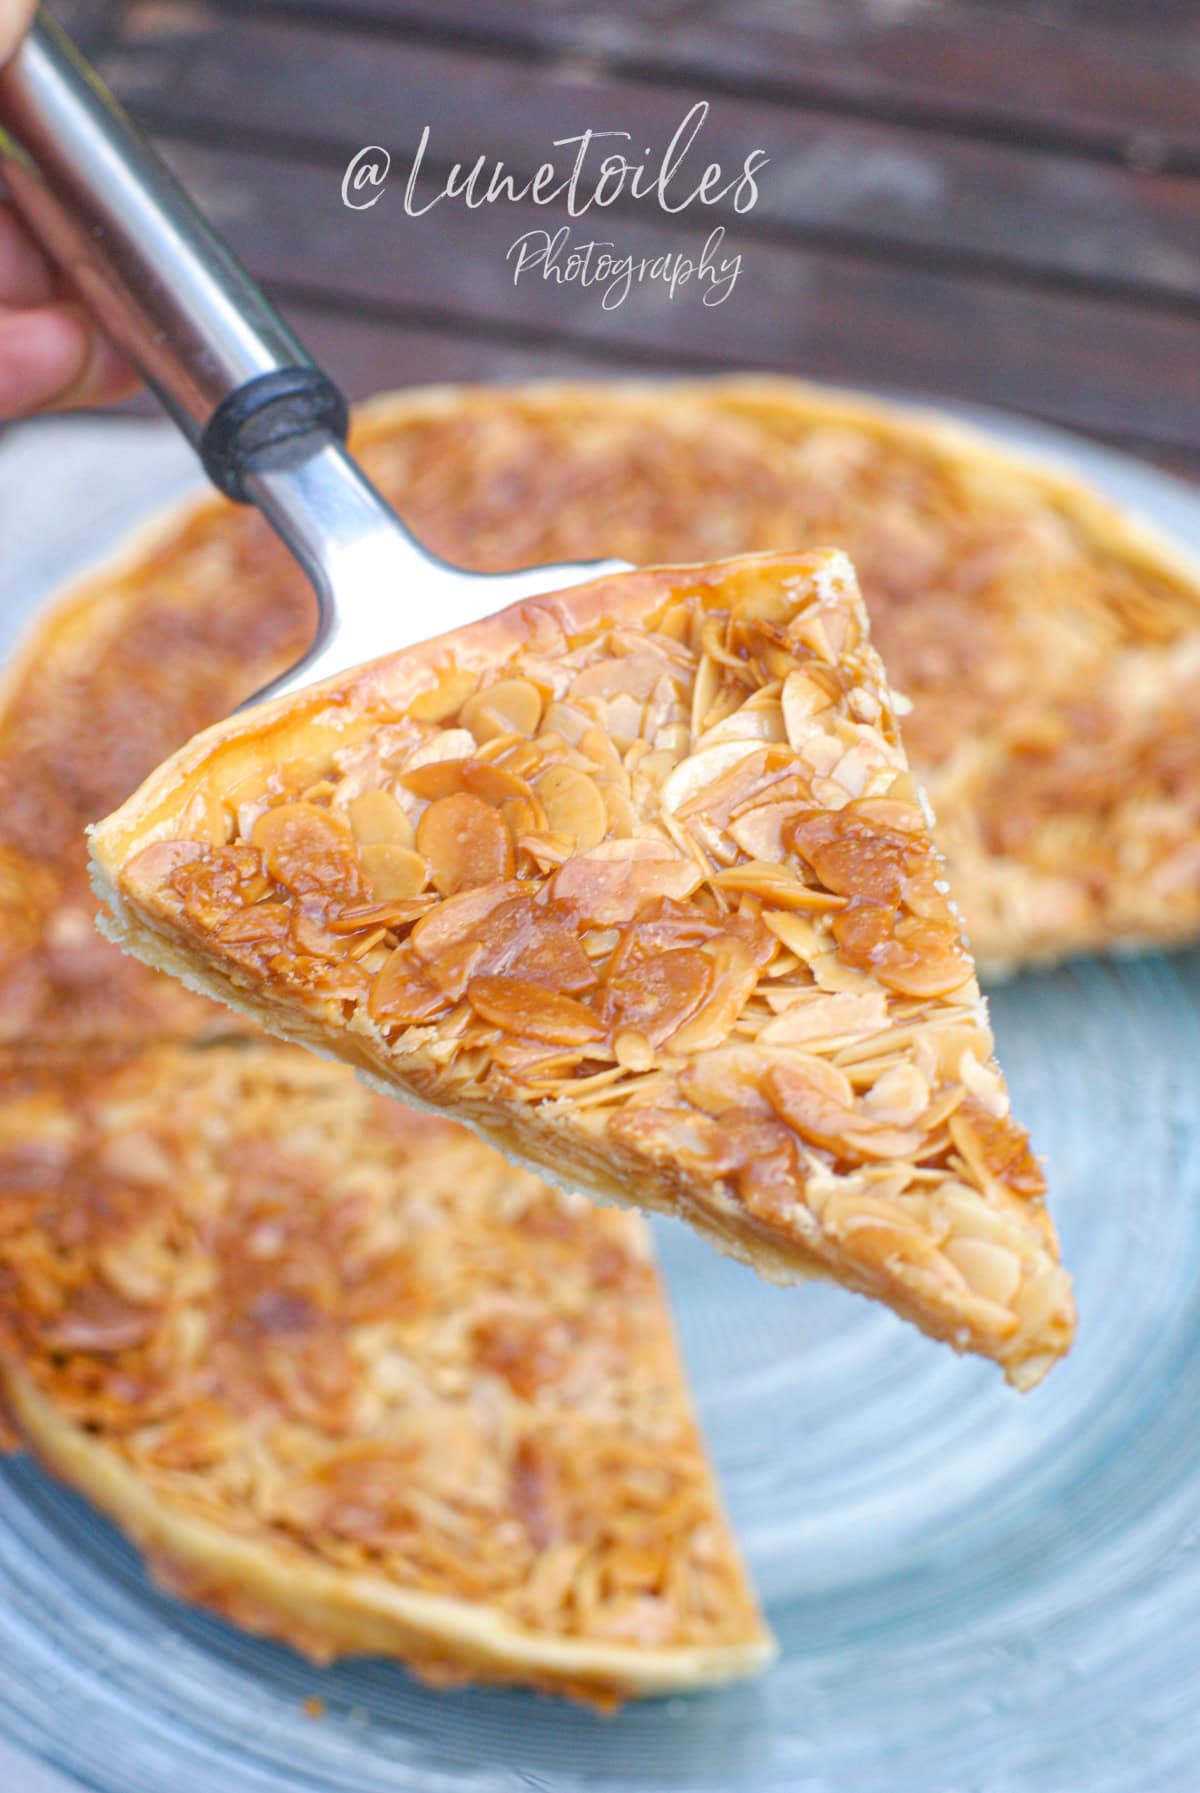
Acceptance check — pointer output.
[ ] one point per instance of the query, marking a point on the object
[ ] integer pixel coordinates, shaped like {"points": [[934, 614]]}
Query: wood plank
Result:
{"points": [[368, 355], [985, 69], [1103, 366], [890, 191], [92, 23], [1129, 15]]}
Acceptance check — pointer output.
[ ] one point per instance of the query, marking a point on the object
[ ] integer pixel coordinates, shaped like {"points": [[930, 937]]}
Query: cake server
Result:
{"points": [[268, 424]]}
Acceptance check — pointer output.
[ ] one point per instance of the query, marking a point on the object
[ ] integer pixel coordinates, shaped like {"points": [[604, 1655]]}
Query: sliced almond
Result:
{"points": [[656, 995], [633, 1051], [623, 717], [991, 1270], [393, 912], [447, 744], [257, 925], [545, 848], [205, 817], [524, 815], [401, 992], [820, 1114], [465, 843], [573, 806], [567, 722], [762, 831], [777, 885], [378, 820], [701, 771], [648, 846], [622, 822], [705, 687], [452, 778], [511, 706], [634, 675], [821, 1015], [532, 1012], [606, 892], [307, 848], [392, 872], [459, 917], [598, 749], [728, 1077], [880, 1236], [733, 977], [803, 698], [760, 718], [900, 1096]]}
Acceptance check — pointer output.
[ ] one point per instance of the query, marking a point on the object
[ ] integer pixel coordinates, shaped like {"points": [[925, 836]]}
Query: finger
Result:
{"points": [[42, 353], [14, 21], [106, 375], [26, 277], [52, 359]]}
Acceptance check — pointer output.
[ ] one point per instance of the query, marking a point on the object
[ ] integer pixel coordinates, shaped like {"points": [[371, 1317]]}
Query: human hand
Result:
{"points": [[52, 354]]}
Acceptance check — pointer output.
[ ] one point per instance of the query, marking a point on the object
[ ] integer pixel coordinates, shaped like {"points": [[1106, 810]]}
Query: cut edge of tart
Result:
{"points": [[635, 880], [349, 1380]]}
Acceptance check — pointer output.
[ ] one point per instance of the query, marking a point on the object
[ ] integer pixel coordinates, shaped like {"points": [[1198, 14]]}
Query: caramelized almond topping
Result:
{"points": [[369, 1350], [677, 879]]}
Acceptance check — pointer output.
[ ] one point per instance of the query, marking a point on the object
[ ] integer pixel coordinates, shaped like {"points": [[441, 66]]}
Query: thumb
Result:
{"points": [[52, 358], [15, 17]]}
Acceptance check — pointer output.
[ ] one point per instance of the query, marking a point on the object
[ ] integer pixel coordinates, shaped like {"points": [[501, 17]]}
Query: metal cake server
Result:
{"points": [[267, 423]]}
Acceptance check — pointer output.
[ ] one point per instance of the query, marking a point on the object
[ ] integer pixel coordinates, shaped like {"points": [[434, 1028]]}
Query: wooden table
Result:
{"points": [[987, 200]]}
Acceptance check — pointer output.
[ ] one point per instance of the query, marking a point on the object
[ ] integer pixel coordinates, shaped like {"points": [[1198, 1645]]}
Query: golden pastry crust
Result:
{"points": [[351, 1380], [635, 880]]}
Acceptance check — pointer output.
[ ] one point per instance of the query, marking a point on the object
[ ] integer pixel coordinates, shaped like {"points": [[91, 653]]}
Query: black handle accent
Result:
{"points": [[274, 420]]}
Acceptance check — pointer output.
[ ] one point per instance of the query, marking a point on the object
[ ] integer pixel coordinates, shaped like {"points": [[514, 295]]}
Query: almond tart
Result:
{"points": [[350, 1380], [636, 881]]}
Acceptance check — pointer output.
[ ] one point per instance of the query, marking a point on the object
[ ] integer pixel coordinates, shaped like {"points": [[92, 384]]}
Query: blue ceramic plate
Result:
{"points": [[974, 1593]]}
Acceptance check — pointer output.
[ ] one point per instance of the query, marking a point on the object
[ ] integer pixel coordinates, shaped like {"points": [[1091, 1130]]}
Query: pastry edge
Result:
{"points": [[325, 1612]]}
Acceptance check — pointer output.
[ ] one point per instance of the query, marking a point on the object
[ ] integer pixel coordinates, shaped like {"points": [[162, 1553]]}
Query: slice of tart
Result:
{"points": [[635, 880], [351, 1380]]}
